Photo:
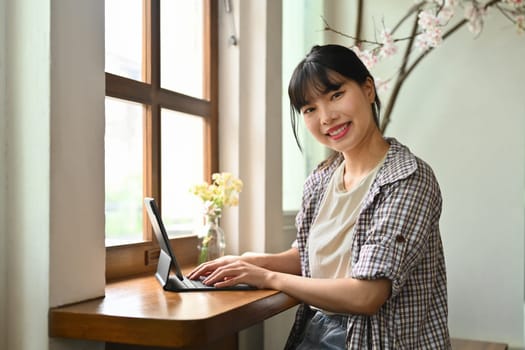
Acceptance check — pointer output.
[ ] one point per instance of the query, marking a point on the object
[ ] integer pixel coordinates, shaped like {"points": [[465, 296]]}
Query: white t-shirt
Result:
{"points": [[330, 239]]}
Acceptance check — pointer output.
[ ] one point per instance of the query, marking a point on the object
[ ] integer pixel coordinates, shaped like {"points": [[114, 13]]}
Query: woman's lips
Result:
{"points": [[339, 131]]}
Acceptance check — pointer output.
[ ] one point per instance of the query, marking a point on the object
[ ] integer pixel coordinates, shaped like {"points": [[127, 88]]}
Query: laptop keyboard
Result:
{"points": [[195, 284]]}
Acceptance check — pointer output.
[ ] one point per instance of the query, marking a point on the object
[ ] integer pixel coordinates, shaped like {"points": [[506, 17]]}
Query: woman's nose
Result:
{"points": [[327, 116]]}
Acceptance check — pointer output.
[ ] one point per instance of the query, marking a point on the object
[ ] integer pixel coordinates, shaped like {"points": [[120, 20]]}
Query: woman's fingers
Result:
{"points": [[228, 271], [202, 270], [207, 268], [235, 273]]}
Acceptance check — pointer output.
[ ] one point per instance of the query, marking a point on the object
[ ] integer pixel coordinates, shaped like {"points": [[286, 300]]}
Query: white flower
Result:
{"points": [[421, 43], [388, 48], [382, 85], [427, 20], [445, 15], [474, 15], [515, 3], [367, 57], [432, 35]]}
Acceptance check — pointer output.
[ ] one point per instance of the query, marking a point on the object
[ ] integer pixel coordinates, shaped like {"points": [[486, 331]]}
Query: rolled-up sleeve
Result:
{"points": [[395, 229]]}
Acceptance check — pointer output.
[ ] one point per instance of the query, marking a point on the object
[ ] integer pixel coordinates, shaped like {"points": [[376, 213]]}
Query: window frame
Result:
{"points": [[141, 257]]}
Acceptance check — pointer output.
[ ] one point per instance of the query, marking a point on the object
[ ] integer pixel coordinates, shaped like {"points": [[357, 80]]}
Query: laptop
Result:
{"points": [[169, 273]]}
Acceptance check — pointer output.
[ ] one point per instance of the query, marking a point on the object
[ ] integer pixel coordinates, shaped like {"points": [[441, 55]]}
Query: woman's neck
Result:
{"points": [[363, 159]]}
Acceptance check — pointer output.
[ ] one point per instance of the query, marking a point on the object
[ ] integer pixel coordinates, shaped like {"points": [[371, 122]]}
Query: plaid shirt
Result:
{"points": [[396, 236]]}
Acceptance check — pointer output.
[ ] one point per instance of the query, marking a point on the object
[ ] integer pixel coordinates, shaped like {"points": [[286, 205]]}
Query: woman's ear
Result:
{"points": [[369, 89]]}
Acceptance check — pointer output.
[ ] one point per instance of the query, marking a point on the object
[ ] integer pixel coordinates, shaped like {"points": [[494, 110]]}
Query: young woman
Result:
{"points": [[368, 262]]}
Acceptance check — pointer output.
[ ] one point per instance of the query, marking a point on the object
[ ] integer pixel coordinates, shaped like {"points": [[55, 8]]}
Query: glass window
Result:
{"points": [[123, 171], [158, 141], [301, 24], [124, 38], [182, 46], [180, 170]]}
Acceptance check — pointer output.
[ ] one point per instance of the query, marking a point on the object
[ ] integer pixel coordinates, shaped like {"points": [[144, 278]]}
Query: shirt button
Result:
{"points": [[400, 238]]}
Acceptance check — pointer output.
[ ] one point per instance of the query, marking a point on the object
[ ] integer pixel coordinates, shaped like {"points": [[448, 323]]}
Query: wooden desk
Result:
{"points": [[462, 344], [139, 312]]}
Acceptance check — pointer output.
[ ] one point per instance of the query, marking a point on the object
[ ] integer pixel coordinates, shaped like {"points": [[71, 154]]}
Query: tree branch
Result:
{"points": [[355, 38], [406, 68], [424, 54], [359, 22], [411, 10], [403, 74], [400, 78]]}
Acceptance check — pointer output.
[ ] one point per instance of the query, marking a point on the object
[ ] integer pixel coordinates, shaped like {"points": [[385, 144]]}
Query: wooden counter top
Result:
{"points": [[139, 312], [463, 344]]}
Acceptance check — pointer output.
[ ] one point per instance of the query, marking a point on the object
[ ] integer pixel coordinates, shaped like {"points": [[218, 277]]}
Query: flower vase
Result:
{"points": [[211, 240]]}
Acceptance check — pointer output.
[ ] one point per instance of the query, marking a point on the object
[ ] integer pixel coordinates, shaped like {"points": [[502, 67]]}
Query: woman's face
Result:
{"points": [[342, 119]]}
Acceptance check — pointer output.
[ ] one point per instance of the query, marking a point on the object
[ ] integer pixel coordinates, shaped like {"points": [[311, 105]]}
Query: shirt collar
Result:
{"points": [[399, 163]]}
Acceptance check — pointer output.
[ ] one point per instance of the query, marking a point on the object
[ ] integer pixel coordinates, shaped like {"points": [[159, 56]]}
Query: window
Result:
{"points": [[161, 120], [301, 30]]}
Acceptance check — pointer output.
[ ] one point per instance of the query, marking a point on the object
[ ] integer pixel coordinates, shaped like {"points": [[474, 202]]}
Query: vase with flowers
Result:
{"points": [[222, 192]]}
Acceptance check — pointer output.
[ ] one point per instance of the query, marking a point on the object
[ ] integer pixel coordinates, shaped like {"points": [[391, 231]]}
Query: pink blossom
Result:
{"points": [[447, 3], [475, 16], [432, 34], [515, 3], [421, 43], [446, 13], [388, 47], [367, 57], [382, 85], [427, 20], [433, 37]]}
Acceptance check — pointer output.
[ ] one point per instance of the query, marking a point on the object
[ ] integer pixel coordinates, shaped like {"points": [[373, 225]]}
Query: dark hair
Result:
{"points": [[314, 76]]}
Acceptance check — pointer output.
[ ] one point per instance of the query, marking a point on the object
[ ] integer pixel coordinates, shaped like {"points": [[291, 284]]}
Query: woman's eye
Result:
{"points": [[337, 94], [308, 110]]}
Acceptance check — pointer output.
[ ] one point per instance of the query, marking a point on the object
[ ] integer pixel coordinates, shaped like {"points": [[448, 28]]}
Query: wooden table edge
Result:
{"points": [[65, 322]]}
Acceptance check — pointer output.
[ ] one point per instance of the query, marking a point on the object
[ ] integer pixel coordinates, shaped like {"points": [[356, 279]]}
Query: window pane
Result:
{"points": [[123, 157], [124, 38], [182, 43], [182, 163], [301, 20]]}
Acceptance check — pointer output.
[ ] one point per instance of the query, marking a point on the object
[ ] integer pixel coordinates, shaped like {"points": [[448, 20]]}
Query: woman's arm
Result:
{"points": [[343, 295], [287, 262]]}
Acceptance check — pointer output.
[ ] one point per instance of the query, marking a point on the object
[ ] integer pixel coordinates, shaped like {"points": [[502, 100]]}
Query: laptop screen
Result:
{"points": [[161, 234]]}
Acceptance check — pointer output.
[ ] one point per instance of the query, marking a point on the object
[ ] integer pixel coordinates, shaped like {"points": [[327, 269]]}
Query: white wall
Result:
{"points": [[54, 104], [3, 187], [250, 129], [469, 123], [249, 107], [27, 216], [77, 249], [462, 110], [77, 151]]}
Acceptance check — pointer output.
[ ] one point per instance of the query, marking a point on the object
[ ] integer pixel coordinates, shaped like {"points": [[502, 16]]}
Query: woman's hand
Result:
{"points": [[347, 295], [250, 268], [205, 269], [235, 272]]}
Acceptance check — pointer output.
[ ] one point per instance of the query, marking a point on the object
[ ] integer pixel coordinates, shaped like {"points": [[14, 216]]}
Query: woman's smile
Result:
{"points": [[339, 131]]}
